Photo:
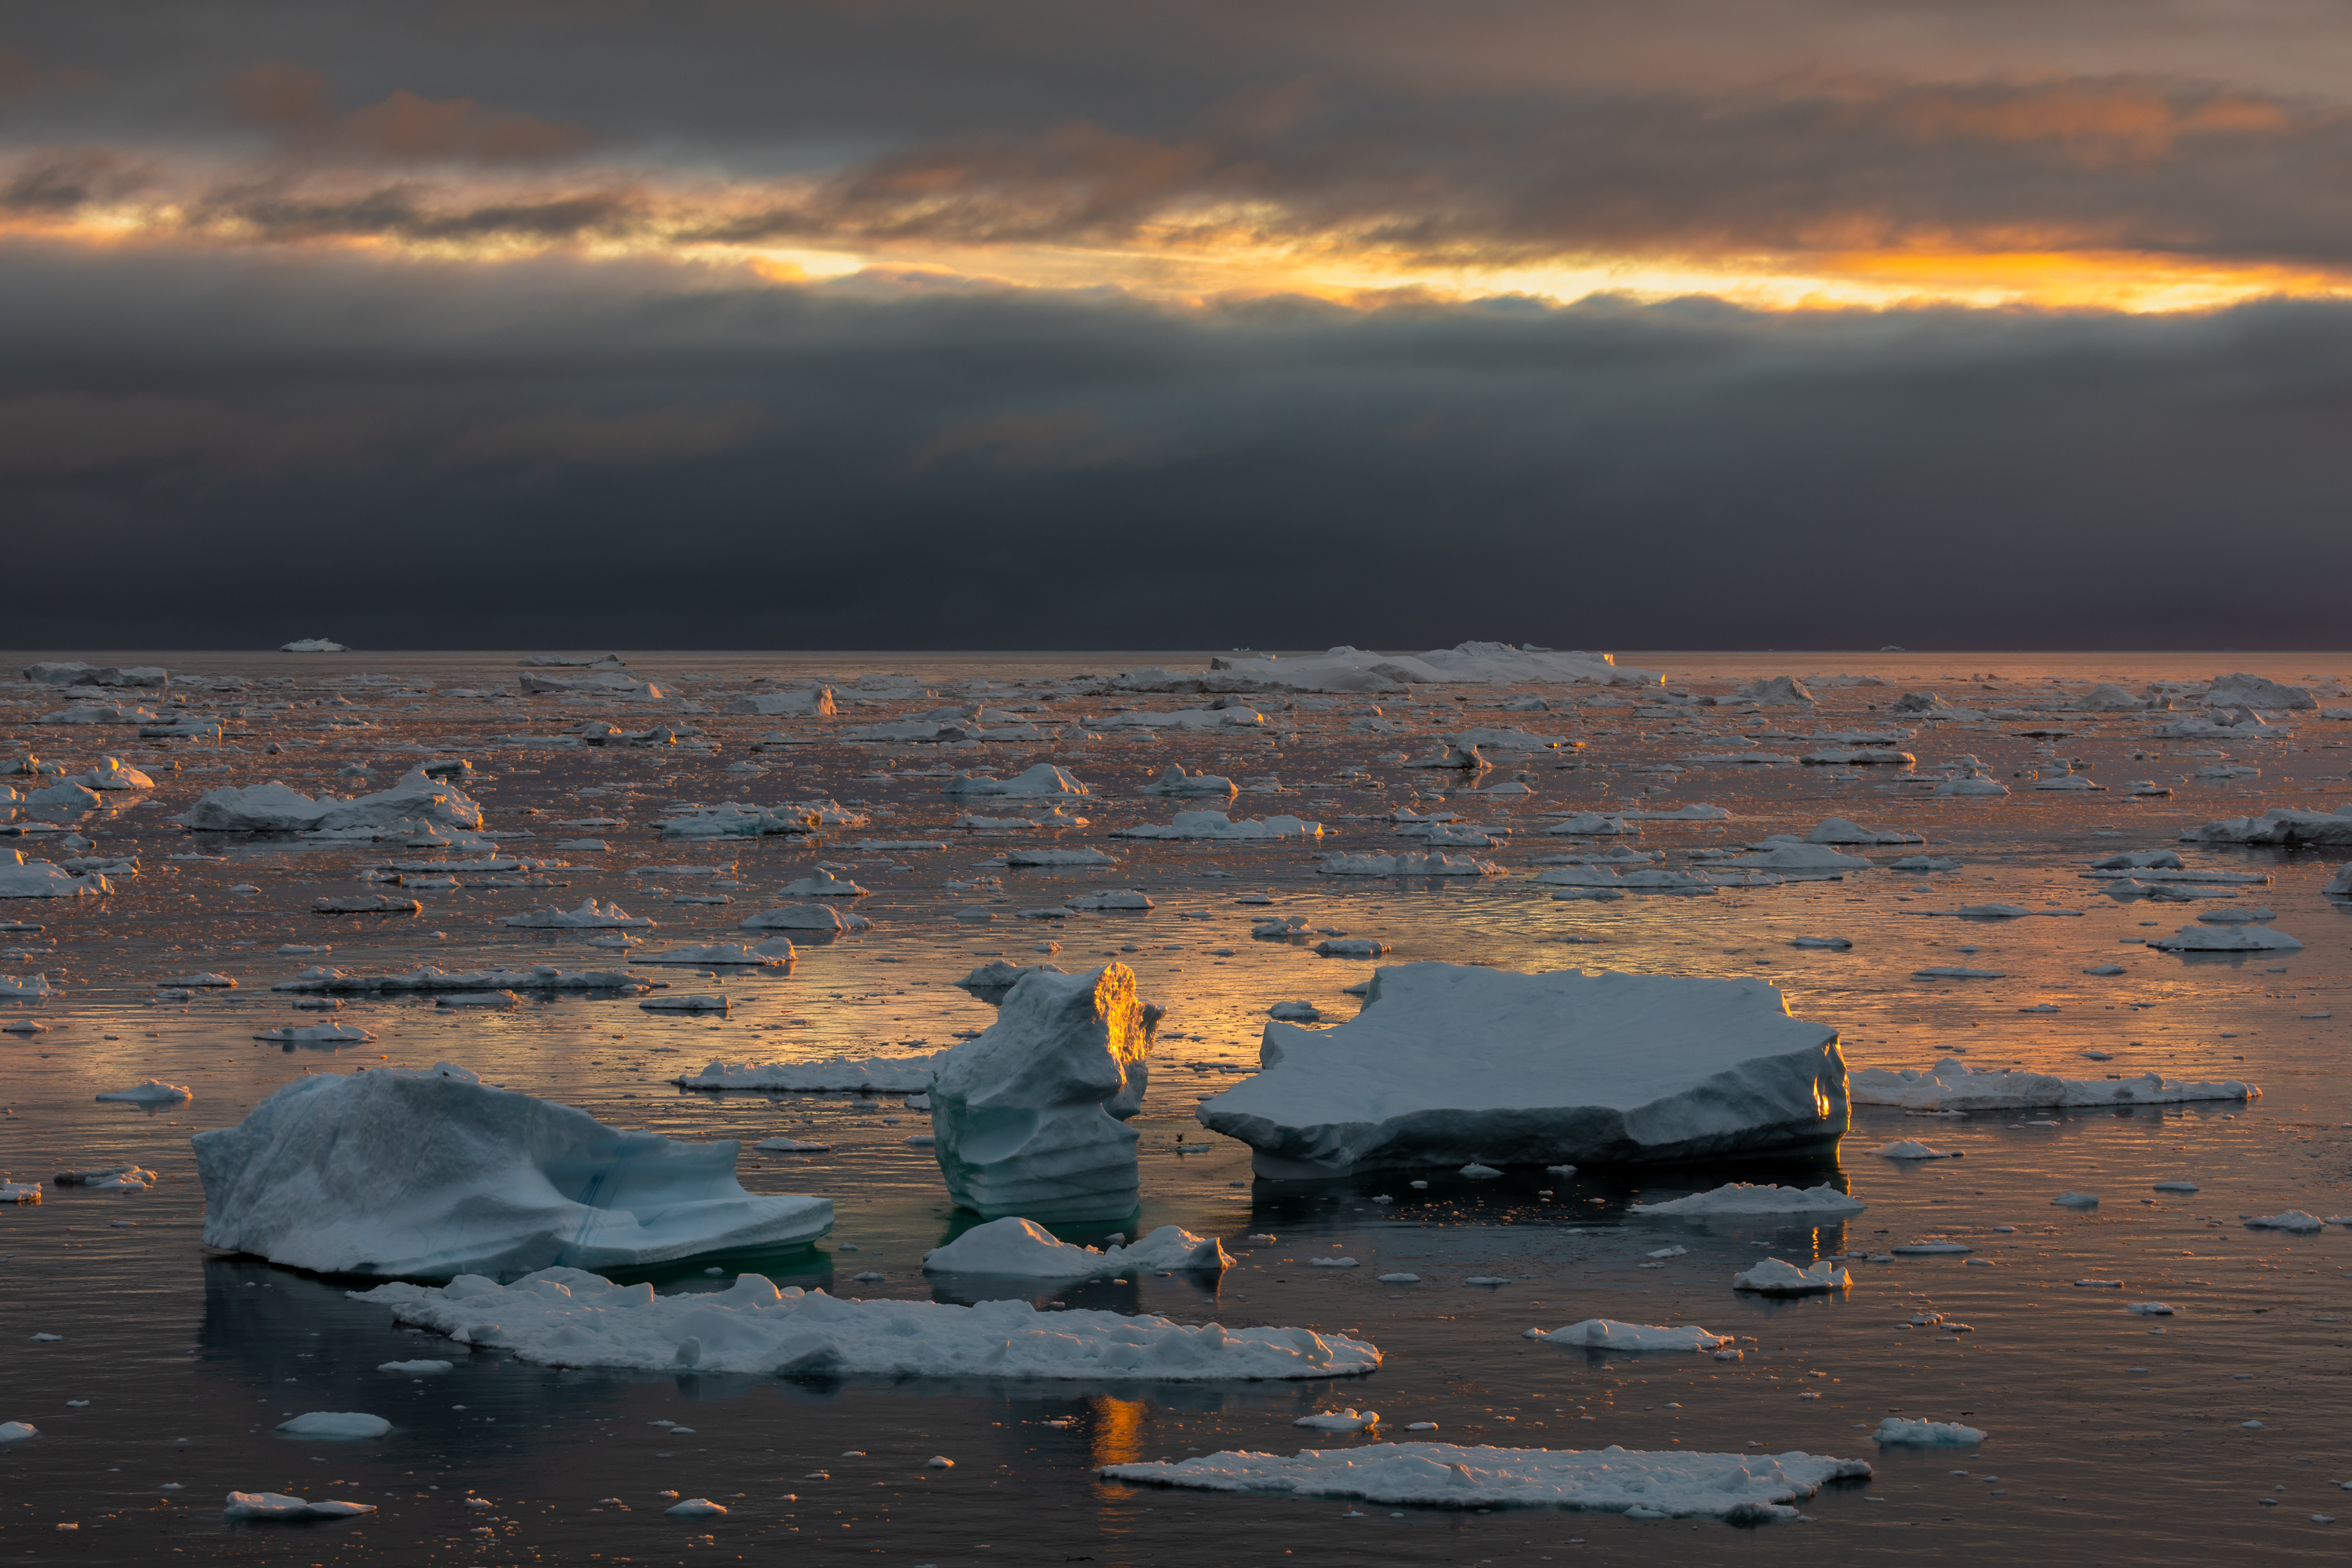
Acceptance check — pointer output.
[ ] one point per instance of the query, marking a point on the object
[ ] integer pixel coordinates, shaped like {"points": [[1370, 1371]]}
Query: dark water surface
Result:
{"points": [[2112, 1437]]}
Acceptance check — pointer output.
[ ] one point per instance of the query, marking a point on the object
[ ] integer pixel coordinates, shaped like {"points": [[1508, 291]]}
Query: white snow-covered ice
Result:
{"points": [[1022, 1247]]}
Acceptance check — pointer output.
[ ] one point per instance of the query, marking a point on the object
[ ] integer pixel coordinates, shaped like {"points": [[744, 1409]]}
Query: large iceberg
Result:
{"points": [[1453, 1063], [1744, 1489], [1030, 1115], [1952, 1084], [565, 1317], [417, 800], [427, 1175]]}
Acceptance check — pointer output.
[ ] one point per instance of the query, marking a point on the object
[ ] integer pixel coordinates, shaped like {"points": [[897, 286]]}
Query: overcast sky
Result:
{"points": [[1034, 323]]}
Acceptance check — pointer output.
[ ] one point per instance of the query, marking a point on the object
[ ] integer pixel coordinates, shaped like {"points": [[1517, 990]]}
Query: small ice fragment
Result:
{"points": [[694, 1507], [2075, 1201], [1399, 1278], [335, 1424], [1332, 1262], [1894, 1430], [1348, 1420]]}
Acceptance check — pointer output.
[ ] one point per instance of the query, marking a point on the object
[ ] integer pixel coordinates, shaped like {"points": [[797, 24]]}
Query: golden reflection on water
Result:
{"points": [[1116, 1430]]}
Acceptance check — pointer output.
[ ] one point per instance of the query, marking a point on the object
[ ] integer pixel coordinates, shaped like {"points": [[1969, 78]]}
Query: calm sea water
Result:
{"points": [[2112, 1436]]}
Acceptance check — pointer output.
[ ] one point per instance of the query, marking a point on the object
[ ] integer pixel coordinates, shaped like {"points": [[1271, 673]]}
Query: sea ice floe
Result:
{"points": [[843, 1075], [23, 878], [1407, 865], [418, 800], [321, 980], [430, 1175], [565, 1317], [2075, 1201], [1952, 1084], [822, 884], [1773, 1277], [18, 1431], [1741, 1487], [1030, 1114], [2295, 1220], [591, 915], [1044, 779], [2227, 938], [1175, 781], [2280, 825], [1908, 1149], [817, 917], [1898, 1431], [1608, 1334], [1452, 1063], [317, 1035], [149, 1092], [250, 1506], [1022, 1247], [1347, 1420], [775, 953], [1216, 824], [336, 1423], [427, 1368], [1739, 1197]]}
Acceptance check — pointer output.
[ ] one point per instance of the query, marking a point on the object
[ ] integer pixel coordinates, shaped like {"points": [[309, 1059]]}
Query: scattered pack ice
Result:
{"points": [[430, 1175], [565, 1317], [1453, 1063]]}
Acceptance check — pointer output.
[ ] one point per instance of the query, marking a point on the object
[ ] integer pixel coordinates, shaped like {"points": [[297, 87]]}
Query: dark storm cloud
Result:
{"points": [[560, 452]]}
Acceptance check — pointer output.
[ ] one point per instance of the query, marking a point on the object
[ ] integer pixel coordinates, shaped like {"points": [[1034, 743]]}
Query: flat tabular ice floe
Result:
{"points": [[1746, 1488], [1952, 1084], [344, 1424], [822, 884], [1030, 1116], [1215, 825], [1450, 1063], [429, 1175], [1608, 1334], [1025, 1249], [846, 1075], [2280, 825], [777, 952], [316, 1035], [817, 917], [1739, 1197], [565, 1317]]}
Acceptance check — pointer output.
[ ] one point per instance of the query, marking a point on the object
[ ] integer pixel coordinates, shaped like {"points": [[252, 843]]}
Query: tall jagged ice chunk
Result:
{"points": [[565, 1317], [416, 800], [428, 1175], [1449, 1063], [1030, 1115]]}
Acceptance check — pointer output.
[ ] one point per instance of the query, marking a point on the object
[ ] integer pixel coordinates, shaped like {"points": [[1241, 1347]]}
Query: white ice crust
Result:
{"points": [[565, 1317], [1640, 1485], [1030, 1115], [1025, 1247], [1608, 1334], [1448, 1063], [425, 1175], [1952, 1084]]}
